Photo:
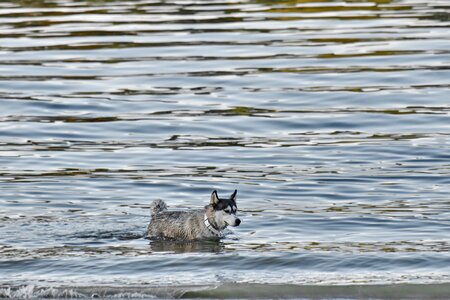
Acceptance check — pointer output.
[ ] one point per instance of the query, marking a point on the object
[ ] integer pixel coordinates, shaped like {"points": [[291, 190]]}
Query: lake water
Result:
{"points": [[330, 118]]}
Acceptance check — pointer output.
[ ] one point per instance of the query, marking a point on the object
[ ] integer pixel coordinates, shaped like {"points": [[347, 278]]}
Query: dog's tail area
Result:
{"points": [[157, 206]]}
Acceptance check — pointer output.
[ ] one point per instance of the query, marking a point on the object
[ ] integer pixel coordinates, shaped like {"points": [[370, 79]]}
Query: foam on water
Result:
{"points": [[235, 291]]}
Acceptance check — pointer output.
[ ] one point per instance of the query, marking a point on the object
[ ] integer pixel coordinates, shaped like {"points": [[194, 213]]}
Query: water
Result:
{"points": [[331, 118]]}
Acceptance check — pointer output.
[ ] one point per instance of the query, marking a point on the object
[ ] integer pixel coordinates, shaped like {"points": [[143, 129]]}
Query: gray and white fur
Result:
{"points": [[207, 223]]}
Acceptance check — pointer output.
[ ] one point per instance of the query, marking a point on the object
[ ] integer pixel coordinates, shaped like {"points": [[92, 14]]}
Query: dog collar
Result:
{"points": [[210, 227]]}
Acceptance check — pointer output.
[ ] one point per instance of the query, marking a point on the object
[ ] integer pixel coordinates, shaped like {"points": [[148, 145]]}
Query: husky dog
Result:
{"points": [[207, 223]]}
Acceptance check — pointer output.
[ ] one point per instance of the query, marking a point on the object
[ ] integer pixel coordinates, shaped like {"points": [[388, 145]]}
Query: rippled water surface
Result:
{"points": [[331, 118]]}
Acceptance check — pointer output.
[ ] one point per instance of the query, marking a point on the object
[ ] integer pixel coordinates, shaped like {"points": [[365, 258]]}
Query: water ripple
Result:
{"points": [[330, 118]]}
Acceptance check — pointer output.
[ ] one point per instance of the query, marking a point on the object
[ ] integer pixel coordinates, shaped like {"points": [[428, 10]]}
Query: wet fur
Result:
{"points": [[187, 225]]}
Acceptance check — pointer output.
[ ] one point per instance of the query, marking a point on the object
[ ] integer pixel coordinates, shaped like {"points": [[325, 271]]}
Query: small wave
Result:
{"points": [[31, 291], [94, 292], [235, 291]]}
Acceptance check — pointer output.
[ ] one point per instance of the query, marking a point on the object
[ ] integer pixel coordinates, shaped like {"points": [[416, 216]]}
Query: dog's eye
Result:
{"points": [[227, 210]]}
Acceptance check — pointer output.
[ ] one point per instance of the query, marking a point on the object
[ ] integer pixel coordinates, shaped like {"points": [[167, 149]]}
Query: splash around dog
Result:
{"points": [[202, 224]]}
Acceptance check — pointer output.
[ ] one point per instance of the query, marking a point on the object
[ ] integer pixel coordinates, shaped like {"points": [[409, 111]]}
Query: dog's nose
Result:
{"points": [[238, 221]]}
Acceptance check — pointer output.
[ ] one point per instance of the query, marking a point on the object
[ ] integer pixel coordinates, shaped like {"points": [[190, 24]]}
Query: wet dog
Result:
{"points": [[203, 224]]}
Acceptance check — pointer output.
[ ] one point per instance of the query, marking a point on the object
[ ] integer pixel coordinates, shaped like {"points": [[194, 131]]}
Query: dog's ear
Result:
{"points": [[214, 198], [233, 196]]}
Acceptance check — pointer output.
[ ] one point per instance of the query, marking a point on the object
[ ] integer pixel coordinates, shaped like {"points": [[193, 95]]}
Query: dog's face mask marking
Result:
{"points": [[225, 209]]}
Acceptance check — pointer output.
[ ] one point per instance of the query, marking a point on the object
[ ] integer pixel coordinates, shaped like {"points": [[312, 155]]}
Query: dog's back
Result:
{"points": [[177, 225]]}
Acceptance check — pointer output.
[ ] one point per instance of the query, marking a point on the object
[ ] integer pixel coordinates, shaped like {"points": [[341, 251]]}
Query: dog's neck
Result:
{"points": [[210, 227]]}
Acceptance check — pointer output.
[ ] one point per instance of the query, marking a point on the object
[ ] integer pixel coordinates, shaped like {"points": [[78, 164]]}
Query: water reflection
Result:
{"points": [[186, 247]]}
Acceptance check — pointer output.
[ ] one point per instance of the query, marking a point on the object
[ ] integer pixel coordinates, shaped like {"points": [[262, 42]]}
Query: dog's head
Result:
{"points": [[225, 210]]}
